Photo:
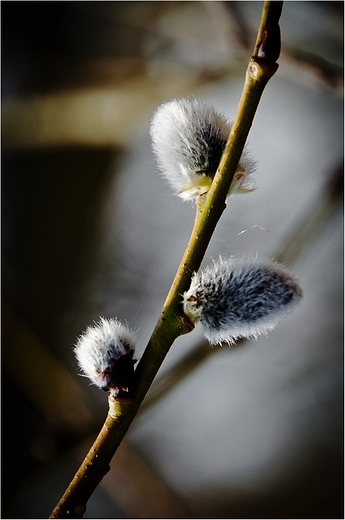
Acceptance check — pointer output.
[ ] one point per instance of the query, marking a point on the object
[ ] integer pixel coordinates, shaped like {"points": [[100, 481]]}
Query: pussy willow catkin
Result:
{"points": [[240, 297], [105, 355], [188, 139]]}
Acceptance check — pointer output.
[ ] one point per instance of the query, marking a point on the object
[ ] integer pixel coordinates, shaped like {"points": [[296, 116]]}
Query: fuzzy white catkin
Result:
{"points": [[188, 139], [99, 349], [242, 297]]}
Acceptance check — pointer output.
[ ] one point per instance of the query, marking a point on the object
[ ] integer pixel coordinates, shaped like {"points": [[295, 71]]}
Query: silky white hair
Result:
{"points": [[100, 347], [242, 297], [188, 139]]}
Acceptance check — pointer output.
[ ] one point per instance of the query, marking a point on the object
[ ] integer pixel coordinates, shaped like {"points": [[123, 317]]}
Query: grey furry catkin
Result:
{"points": [[240, 297], [188, 139], [105, 355]]}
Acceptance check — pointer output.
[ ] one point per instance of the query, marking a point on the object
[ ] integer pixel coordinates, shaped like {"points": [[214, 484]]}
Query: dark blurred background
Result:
{"points": [[90, 229]]}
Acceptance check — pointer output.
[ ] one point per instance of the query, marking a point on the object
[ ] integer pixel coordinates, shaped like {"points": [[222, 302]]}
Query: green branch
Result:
{"points": [[172, 321]]}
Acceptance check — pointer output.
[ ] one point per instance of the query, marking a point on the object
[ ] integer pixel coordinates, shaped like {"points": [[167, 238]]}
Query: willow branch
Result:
{"points": [[172, 322]]}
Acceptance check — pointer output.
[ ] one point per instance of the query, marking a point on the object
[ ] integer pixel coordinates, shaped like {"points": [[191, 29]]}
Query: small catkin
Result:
{"points": [[188, 139], [241, 297], [105, 355]]}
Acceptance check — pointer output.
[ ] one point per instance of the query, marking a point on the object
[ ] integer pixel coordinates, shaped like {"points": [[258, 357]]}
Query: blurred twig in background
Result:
{"points": [[310, 227]]}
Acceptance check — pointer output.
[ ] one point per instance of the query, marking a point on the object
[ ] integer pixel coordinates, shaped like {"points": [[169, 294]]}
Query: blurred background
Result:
{"points": [[90, 229]]}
